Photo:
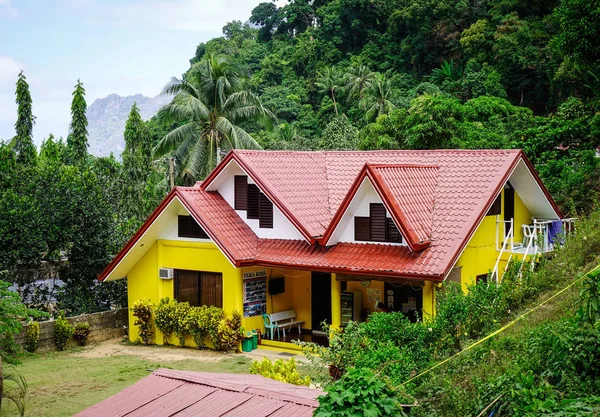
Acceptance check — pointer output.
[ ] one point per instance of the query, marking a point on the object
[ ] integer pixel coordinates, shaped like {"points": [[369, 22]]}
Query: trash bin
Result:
{"points": [[247, 342], [254, 339]]}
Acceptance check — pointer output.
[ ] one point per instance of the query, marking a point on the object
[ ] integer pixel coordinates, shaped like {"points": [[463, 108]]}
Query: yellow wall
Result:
{"points": [[366, 304], [480, 255], [143, 281]]}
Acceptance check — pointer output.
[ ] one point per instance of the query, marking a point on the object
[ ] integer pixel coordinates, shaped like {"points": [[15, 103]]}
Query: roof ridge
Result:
{"points": [[411, 165]]}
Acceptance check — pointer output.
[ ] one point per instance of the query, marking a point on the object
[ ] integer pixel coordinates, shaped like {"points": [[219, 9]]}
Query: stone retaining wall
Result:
{"points": [[103, 326]]}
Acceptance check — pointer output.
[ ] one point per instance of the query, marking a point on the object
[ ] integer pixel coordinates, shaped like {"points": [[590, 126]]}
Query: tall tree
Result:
{"points": [[136, 162], [212, 103], [77, 142], [23, 141], [329, 81]]}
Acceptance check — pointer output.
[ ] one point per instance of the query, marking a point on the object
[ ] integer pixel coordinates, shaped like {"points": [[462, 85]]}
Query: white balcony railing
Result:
{"points": [[542, 236]]}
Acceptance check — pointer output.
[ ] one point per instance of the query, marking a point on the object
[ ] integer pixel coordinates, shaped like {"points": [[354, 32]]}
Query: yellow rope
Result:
{"points": [[500, 330]]}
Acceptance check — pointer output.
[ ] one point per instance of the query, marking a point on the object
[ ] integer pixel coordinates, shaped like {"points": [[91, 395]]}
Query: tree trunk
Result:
{"points": [[334, 103]]}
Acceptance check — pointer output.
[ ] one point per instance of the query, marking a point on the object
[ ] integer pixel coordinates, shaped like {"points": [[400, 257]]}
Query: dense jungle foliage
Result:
{"points": [[425, 74]]}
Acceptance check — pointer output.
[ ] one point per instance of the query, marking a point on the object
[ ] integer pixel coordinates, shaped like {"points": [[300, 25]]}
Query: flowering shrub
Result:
{"points": [[142, 311]]}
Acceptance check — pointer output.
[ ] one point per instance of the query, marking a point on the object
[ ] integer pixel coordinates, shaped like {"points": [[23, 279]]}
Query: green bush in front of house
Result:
{"points": [[143, 311], [165, 318], [201, 322], [230, 331], [182, 311], [179, 318]]}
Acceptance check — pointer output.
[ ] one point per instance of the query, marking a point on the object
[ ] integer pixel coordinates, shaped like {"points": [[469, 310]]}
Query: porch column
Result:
{"points": [[428, 300], [336, 302]]}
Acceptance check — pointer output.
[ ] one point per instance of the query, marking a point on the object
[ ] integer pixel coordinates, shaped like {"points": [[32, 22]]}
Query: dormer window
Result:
{"points": [[249, 197], [188, 227], [377, 227]]}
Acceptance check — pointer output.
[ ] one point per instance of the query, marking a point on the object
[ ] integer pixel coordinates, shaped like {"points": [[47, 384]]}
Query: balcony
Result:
{"points": [[542, 236]]}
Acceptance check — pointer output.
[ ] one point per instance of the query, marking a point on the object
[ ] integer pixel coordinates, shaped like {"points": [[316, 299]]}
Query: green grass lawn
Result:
{"points": [[61, 384]]}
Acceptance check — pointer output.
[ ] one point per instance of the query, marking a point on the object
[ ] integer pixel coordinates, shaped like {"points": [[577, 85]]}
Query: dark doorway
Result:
{"points": [[321, 299], [406, 298]]}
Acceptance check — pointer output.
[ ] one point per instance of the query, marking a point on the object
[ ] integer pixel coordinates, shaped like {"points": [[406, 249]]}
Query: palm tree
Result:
{"points": [[328, 81], [12, 387], [211, 103], [358, 79], [377, 97]]}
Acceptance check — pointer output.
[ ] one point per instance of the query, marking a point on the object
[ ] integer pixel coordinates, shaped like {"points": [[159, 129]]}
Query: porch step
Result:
{"points": [[280, 346]]}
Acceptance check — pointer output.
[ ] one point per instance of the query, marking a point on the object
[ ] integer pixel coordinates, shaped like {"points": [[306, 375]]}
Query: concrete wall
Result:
{"points": [[103, 326]]}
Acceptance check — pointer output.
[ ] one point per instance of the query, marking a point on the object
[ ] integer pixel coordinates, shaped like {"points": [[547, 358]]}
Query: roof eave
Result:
{"points": [[137, 236]]}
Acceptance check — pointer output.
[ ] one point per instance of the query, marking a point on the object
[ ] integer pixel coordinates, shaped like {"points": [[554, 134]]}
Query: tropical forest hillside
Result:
{"points": [[417, 74]]}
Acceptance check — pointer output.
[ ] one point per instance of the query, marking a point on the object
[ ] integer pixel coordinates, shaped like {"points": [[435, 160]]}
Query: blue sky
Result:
{"points": [[123, 47]]}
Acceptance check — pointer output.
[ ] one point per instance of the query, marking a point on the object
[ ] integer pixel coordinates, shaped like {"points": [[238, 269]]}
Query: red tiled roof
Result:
{"points": [[412, 191], [356, 258], [183, 393], [408, 193], [217, 217], [437, 197]]}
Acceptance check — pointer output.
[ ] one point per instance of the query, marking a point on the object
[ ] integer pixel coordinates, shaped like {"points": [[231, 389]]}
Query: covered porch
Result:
{"points": [[310, 298]]}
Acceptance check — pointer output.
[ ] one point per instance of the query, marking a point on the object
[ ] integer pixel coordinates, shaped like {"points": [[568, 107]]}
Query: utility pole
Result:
{"points": [[172, 172]]}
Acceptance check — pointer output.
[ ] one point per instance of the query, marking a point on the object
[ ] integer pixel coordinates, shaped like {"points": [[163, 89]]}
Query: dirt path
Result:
{"points": [[115, 347]]}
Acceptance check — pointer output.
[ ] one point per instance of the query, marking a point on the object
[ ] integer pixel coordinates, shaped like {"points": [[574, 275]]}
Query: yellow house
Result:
{"points": [[328, 236]]}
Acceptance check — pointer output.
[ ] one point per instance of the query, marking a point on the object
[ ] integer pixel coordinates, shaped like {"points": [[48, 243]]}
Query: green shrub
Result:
{"points": [[142, 311], [214, 317], [359, 393], [32, 336], [82, 331], [197, 323], [63, 331], [230, 331], [166, 317], [182, 311], [279, 370]]}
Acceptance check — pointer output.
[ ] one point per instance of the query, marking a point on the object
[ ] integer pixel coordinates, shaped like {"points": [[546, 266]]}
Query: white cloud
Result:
{"points": [[9, 70], [8, 10], [179, 15]]}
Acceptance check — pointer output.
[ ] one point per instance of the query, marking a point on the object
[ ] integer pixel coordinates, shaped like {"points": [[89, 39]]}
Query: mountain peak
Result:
{"points": [[107, 117]]}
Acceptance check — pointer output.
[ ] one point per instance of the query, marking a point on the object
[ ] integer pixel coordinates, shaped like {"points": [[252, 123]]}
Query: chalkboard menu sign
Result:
{"points": [[255, 293]]}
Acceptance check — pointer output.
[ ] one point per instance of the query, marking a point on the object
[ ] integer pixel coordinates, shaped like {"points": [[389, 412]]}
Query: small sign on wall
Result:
{"points": [[255, 293]]}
